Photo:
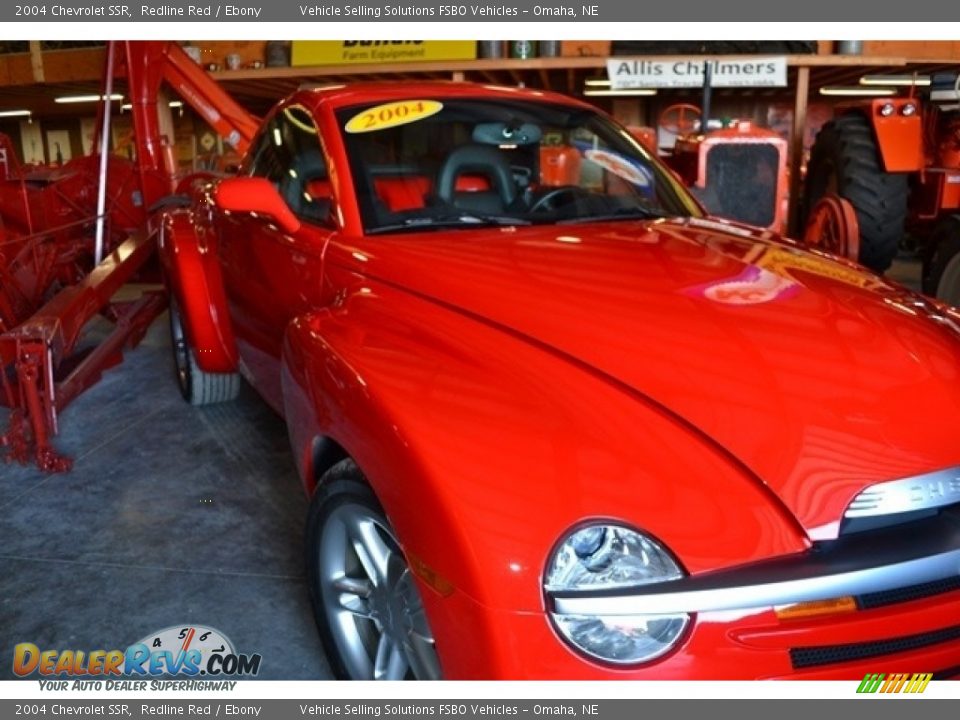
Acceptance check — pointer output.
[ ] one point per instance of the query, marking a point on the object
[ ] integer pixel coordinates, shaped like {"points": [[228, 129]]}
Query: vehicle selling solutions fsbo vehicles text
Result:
{"points": [[378, 11]]}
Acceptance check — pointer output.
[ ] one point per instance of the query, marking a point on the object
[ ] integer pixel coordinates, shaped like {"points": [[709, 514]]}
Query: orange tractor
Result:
{"points": [[896, 161], [737, 172]]}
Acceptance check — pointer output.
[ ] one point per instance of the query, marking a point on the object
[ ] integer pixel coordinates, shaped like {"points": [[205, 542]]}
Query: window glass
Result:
{"points": [[288, 153], [441, 162]]}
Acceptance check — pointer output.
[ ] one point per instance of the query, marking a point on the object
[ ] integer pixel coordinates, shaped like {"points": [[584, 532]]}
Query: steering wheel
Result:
{"points": [[680, 119], [546, 202]]}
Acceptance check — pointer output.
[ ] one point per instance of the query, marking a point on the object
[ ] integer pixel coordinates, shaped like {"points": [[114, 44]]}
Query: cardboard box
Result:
{"points": [[585, 48]]}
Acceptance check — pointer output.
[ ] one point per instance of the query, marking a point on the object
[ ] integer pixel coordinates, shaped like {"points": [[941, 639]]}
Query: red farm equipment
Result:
{"points": [[896, 162], [72, 236], [737, 172]]}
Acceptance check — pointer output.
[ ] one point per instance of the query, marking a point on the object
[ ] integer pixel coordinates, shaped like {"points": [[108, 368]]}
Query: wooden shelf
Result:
{"points": [[79, 71]]}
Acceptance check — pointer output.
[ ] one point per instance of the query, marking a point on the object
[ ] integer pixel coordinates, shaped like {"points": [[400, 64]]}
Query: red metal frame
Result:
{"points": [[47, 217]]}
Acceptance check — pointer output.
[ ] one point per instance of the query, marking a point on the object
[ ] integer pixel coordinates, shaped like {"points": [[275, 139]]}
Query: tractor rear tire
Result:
{"points": [[845, 159], [197, 386], [941, 270]]}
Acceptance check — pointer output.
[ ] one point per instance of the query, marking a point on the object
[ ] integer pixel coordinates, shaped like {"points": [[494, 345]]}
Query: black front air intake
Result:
{"points": [[870, 601], [808, 657]]}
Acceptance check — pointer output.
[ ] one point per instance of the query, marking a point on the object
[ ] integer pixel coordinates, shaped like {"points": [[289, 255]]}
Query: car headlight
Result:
{"points": [[604, 557]]}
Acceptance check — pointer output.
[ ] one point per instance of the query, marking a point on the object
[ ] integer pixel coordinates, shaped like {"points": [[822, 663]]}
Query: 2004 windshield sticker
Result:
{"points": [[381, 117]]}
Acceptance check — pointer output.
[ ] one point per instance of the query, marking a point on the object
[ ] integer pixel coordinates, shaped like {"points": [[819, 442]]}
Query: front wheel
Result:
{"points": [[197, 386], [365, 600]]}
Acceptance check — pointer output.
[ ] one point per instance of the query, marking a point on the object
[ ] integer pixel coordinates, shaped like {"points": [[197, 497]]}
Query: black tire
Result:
{"points": [[941, 268], [197, 386], [845, 159], [343, 490]]}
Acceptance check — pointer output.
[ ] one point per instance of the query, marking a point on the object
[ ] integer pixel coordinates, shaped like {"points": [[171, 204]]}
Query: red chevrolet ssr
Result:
{"points": [[558, 423]]}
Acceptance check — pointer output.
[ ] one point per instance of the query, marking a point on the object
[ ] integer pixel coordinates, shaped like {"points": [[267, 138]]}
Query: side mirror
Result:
{"points": [[256, 195]]}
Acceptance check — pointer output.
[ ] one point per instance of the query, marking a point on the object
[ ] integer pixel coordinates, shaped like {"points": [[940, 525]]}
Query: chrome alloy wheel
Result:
{"points": [[373, 608]]}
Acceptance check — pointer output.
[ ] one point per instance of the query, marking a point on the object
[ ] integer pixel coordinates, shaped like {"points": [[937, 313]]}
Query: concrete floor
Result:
{"points": [[171, 515]]}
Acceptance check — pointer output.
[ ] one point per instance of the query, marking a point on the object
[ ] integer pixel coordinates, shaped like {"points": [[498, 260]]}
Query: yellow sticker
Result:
{"points": [[392, 114]]}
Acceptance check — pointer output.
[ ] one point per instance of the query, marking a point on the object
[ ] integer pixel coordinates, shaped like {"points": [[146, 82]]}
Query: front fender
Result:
{"points": [[485, 448], [187, 252]]}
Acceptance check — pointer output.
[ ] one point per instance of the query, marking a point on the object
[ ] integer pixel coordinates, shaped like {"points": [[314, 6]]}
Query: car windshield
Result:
{"points": [[430, 163]]}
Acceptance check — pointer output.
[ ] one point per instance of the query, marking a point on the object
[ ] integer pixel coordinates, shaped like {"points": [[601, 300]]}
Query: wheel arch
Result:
{"points": [[324, 454], [187, 250]]}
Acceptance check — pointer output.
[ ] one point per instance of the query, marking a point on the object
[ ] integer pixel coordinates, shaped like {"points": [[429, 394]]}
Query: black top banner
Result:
{"points": [[418, 11]]}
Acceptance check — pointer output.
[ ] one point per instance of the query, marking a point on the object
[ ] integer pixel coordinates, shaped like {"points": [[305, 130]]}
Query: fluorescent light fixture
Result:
{"points": [[857, 90], [596, 82], [66, 99], [907, 80], [15, 113], [622, 93], [172, 103]]}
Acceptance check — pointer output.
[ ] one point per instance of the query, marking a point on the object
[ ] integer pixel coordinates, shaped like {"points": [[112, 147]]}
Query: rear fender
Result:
{"points": [[188, 253], [899, 137]]}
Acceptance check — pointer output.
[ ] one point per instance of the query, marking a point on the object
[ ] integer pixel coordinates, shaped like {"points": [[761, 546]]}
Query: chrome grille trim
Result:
{"points": [[922, 492], [645, 601]]}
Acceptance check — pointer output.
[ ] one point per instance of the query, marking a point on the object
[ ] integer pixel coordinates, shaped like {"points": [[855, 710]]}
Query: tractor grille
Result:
{"points": [[914, 592], [831, 654], [741, 182]]}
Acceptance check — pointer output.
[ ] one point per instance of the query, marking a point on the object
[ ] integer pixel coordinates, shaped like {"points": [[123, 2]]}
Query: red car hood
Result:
{"points": [[817, 375]]}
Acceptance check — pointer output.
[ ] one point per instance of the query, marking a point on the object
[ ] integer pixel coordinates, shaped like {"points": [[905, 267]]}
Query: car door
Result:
{"points": [[271, 276]]}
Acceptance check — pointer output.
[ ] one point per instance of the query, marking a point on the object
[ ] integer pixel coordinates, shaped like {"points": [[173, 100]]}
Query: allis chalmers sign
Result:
{"points": [[626, 73]]}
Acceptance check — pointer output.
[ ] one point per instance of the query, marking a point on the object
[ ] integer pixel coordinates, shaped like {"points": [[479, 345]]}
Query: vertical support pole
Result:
{"points": [[707, 95], [104, 153], [796, 147], [36, 61]]}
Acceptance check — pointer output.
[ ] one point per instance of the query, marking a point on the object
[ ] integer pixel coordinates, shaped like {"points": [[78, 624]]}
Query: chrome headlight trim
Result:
{"points": [[874, 562], [746, 597]]}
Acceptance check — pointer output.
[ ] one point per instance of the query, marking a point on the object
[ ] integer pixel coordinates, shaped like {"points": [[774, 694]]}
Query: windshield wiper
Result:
{"points": [[445, 221], [622, 214]]}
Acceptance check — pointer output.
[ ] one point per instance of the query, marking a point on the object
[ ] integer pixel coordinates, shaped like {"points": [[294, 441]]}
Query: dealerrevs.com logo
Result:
{"points": [[895, 682], [180, 650]]}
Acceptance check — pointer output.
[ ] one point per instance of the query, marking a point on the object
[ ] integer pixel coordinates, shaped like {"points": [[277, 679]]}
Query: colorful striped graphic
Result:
{"points": [[895, 683]]}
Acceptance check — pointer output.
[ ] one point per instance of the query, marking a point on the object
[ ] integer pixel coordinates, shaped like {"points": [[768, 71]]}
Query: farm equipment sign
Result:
{"points": [[627, 73]]}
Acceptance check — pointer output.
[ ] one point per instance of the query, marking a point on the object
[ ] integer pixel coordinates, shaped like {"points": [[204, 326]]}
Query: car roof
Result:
{"points": [[344, 95]]}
